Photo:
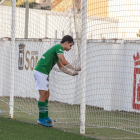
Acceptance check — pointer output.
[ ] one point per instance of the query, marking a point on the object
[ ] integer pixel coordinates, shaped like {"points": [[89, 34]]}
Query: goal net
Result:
{"points": [[106, 92]]}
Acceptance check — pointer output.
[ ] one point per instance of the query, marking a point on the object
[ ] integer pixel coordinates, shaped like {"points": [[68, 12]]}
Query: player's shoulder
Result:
{"points": [[57, 46]]}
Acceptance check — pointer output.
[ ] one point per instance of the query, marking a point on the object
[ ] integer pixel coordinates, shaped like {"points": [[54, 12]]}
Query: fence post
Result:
{"points": [[26, 19]]}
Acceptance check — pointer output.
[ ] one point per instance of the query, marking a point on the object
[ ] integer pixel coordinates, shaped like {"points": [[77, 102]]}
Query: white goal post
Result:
{"points": [[12, 60], [83, 65]]}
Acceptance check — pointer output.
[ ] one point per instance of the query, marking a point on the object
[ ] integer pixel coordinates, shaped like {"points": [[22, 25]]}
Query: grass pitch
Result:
{"points": [[15, 130], [65, 114]]}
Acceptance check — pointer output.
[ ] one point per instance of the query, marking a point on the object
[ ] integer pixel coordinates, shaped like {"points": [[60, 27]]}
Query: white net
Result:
{"points": [[38, 29], [110, 72]]}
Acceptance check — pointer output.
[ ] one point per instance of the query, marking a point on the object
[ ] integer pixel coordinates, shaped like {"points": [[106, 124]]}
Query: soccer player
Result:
{"points": [[42, 70]]}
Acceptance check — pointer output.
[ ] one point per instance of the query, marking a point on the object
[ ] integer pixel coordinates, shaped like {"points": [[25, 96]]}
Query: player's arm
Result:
{"points": [[66, 63], [61, 66]]}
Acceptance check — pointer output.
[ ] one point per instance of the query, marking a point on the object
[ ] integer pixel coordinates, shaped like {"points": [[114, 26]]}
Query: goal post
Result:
{"points": [[12, 60], [83, 66]]}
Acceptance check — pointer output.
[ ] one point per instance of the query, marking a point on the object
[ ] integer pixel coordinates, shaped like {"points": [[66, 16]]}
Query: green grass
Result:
{"points": [[15, 130], [94, 116]]}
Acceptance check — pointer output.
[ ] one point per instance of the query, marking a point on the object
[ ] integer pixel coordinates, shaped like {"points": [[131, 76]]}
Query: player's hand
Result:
{"points": [[75, 73], [78, 69], [40, 39]]}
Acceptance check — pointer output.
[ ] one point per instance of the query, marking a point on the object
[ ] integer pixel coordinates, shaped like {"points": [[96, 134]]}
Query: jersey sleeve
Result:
{"points": [[59, 50]]}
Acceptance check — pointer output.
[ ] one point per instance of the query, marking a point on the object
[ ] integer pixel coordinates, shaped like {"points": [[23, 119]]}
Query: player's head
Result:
{"points": [[67, 42]]}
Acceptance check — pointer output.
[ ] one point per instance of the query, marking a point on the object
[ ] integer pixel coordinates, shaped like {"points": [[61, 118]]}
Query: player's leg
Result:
{"points": [[42, 86], [42, 104], [47, 108], [47, 119], [42, 108]]}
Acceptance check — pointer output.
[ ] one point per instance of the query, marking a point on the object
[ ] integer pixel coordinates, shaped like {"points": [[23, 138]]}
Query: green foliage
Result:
{"points": [[31, 4]]}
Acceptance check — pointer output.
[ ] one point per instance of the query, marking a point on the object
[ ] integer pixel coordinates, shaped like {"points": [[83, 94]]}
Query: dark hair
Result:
{"points": [[67, 38]]}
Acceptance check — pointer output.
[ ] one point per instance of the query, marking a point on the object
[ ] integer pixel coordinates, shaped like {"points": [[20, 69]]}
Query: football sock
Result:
{"points": [[46, 109], [42, 109]]}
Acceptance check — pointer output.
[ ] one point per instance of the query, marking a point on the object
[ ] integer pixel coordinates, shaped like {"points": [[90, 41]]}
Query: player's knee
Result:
{"points": [[47, 95], [42, 95]]}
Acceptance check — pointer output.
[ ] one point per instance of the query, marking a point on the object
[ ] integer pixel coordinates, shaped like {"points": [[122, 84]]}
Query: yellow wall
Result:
{"points": [[62, 5], [97, 8]]}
